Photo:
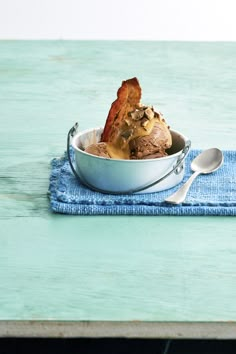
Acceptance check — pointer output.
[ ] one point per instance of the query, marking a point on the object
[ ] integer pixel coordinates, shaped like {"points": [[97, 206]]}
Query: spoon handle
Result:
{"points": [[180, 195]]}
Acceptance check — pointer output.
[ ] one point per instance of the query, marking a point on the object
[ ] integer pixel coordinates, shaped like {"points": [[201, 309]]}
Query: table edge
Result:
{"points": [[118, 329]]}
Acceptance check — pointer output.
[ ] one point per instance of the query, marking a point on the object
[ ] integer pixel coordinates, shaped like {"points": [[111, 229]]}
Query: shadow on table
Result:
{"points": [[114, 346]]}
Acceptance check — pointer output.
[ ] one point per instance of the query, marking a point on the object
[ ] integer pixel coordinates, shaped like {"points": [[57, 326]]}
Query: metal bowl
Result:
{"points": [[128, 176]]}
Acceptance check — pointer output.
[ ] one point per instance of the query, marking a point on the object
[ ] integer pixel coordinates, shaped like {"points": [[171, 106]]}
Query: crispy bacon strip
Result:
{"points": [[128, 98]]}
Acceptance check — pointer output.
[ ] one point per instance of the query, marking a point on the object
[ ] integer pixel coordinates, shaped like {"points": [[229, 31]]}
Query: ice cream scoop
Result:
{"points": [[99, 149], [152, 145]]}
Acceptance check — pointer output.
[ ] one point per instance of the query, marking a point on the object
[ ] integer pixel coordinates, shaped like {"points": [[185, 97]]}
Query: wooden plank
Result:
{"points": [[60, 268]]}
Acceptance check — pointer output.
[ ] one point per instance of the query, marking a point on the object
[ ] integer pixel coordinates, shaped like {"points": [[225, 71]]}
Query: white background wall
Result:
{"points": [[118, 19]]}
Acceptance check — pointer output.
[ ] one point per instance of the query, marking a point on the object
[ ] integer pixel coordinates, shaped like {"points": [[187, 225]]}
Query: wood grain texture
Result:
{"points": [[56, 267]]}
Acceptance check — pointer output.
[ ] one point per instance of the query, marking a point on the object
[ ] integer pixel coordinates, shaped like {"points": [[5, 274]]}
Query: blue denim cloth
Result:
{"points": [[213, 194]]}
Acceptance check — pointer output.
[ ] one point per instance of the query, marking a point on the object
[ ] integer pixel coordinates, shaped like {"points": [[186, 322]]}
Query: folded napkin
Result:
{"points": [[213, 194]]}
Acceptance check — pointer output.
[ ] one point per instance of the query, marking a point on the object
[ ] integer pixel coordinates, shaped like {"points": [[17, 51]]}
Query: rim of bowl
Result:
{"points": [[122, 160]]}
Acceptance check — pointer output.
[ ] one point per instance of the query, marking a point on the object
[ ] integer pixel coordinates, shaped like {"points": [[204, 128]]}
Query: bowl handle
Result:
{"points": [[70, 135], [176, 168]]}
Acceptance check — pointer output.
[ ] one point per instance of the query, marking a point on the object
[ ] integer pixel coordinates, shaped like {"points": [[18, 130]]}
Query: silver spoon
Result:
{"points": [[206, 162]]}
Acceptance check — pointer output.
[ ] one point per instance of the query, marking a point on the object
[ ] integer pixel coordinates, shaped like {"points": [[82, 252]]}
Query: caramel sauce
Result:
{"points": [[117, 153], [120, 148]]}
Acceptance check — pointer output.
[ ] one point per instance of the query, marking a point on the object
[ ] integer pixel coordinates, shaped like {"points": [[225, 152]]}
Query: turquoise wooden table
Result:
{"points": [[101, 276]]}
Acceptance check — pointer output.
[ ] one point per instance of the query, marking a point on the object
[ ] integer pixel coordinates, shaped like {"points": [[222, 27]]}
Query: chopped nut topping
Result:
{"points": [[144, 122], [149, 113], [137, 114]]}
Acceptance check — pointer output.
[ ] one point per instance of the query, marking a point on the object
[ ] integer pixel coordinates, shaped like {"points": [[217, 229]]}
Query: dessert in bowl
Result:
{"points": [[136, 151]]}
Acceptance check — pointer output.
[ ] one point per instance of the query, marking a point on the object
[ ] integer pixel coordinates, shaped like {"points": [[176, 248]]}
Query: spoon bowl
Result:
{"points": [[206, 162]]}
